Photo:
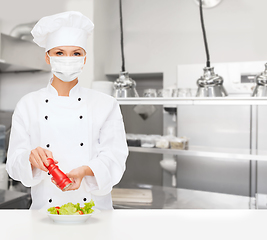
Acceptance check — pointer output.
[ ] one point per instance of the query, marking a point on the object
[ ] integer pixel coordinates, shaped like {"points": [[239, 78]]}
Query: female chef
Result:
{"points": [[81, 129]]}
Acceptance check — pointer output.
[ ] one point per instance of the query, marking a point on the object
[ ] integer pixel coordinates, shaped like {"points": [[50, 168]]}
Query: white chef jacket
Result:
{"points": [[85, 128]]}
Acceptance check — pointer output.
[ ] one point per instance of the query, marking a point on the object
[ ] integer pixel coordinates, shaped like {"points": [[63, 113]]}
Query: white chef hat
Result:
{"points": [[63, 29]]}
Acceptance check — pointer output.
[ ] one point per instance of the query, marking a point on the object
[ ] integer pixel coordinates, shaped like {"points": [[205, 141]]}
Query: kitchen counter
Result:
{"points": [[178, 198], [14, 199], [137, 224]]}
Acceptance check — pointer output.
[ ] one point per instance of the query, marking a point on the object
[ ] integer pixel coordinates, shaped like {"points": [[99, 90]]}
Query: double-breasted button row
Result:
{"points": [[79, 99], [46, 117], [48, 145], [50, 200]]}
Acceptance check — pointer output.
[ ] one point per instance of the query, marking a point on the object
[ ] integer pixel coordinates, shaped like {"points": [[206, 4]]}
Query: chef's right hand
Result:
{"points": [[38, 158]]}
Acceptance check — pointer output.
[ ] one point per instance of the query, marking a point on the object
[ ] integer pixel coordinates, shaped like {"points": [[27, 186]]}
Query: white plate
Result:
{"points": [[72, 219]]}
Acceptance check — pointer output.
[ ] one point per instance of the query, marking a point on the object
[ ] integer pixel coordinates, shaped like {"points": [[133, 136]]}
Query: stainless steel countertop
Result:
{"points": [[177, 198], [9, 197]]}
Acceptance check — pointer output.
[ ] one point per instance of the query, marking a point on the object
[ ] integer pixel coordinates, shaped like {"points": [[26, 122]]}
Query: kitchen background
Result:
{"points": [[162, 40]]}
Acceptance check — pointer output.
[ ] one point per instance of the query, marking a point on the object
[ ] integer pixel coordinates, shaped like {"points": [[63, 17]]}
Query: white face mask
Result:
{"points": [[67, 68]]}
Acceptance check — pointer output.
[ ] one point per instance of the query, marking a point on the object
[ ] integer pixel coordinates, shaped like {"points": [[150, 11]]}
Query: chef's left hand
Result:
{"points": [[76, 176]]}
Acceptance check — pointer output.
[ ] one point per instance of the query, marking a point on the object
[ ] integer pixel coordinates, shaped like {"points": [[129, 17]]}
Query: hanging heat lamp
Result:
{"points": [[208, 3], [124, 86], [261, 84], [210, 84]]}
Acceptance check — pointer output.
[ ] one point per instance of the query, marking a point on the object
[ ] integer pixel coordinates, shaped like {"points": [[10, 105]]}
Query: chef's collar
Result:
{"points": [[74, 92]]}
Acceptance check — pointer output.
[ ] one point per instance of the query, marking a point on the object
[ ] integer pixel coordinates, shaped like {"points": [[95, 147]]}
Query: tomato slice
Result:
{"points": [[80, 212], [57, 209]]}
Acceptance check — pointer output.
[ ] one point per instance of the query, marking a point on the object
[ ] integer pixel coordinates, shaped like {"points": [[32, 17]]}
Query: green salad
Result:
{"points": [[72, 209]]}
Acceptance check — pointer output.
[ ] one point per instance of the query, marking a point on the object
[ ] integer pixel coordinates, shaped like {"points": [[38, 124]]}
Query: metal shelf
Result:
{"points": [[201, 151], [194, 101]]}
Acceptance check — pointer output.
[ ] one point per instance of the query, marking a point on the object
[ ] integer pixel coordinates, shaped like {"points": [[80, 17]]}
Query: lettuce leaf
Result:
{"points": [[78, 208], [88, 207], [52, 210], [67, 209]]}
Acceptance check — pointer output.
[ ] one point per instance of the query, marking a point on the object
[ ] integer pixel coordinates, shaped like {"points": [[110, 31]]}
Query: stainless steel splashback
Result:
{"points": [[20, 55]]}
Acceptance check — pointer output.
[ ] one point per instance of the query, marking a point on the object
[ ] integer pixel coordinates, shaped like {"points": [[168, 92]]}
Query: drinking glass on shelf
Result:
{"points": [[150, 92], [188, 92], [166, 92], [175, 93], [193, 92], [184, 92], [160, 93]]}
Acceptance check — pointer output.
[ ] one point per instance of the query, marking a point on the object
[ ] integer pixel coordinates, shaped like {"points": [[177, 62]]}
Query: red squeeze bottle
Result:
{"points": [[60, 178]]}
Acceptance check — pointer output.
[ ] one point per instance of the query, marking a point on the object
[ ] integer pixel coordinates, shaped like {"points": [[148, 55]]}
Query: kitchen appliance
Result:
{"points": [[124, 86], [210, 84], [261, 84]]}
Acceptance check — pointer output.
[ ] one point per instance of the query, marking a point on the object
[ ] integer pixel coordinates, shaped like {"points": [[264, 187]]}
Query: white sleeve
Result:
{"points": [[18, 165], [109, 165]]}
